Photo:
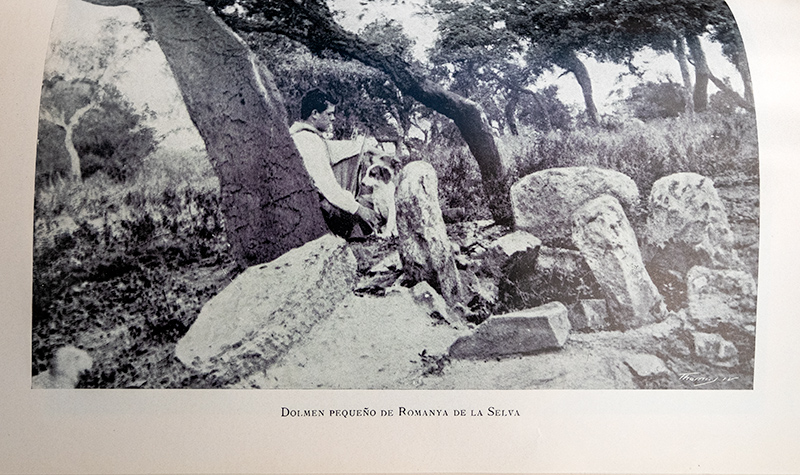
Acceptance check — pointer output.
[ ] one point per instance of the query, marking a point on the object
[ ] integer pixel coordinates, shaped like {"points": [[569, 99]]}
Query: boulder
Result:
{"points": [[714, 349], [720, 298], [688, 226], [588, 315], [268, 308], [608, 244], [543, 202], [65, 369], [425, 249], [527, 331], [646, 366]]}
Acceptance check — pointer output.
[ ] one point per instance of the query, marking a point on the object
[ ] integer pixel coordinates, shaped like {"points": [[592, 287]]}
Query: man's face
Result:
{"points": [[323, 121]]}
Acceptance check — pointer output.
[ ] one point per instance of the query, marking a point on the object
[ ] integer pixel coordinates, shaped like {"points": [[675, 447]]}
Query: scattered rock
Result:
{"points": [[608, 243], [589, 315], [268, 308], [543, 202], [425, 249], [715, 350], [426, 297], [646, 366], [65, 369], [718, 297], [688, 225], [526, 331], [518, 241]]}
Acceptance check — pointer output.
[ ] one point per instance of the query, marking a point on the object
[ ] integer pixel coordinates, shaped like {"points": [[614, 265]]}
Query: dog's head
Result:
{"points": [[377, 175]]}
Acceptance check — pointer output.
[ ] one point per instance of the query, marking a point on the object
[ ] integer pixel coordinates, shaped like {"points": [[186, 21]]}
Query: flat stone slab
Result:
{"points": [[518, 241], [526, 331], [543, 202], [268, 308]]}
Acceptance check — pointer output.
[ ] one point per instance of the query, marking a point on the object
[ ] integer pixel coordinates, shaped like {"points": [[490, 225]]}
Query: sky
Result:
{"points": [[136, 73]]}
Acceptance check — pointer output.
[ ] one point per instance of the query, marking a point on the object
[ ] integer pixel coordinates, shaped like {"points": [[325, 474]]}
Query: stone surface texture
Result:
{"points": [[688, 225], [425, 249], [715, 350], [517, 241], [543, 202], [268, 308], [719, 297], [608, 244], [588, 315], [522, 332]]}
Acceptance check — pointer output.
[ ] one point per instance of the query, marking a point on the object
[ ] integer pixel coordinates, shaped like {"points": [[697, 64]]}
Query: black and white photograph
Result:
{"points": [[396, 194], [399, 236]]}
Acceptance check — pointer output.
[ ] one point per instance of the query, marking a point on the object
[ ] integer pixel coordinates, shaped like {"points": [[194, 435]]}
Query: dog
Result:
{"points": [[380, 178], [66, 367]]}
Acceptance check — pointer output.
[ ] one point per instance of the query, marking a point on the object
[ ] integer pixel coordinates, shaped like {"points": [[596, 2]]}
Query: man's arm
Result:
{"points": [[315, 158]]}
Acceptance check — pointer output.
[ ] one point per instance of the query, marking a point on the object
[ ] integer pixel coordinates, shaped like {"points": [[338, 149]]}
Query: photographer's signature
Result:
{"points": [[698, 379]]}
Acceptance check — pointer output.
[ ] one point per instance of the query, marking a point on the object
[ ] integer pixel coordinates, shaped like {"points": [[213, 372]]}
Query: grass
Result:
{"points": [[122, 270]]}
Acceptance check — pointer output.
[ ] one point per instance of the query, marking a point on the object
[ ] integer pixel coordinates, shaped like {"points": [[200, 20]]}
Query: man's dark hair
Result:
{"points": [[315, 100]]}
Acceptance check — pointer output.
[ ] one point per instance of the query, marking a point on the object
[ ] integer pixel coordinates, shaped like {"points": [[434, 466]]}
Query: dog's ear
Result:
{"points": [[384, 174]]}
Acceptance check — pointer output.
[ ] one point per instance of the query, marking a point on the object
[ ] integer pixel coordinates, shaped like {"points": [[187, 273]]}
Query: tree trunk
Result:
{"points": [[573, 64], [701, 73], [293, 18], [680, 55], [74, 158], [511, 110], [268, 201]]}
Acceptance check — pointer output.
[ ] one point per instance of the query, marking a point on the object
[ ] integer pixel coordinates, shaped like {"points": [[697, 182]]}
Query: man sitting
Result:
{"points": [[340, 208]]}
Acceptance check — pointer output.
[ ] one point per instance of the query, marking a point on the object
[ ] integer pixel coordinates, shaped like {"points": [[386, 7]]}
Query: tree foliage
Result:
{"points": [[86, 127]]}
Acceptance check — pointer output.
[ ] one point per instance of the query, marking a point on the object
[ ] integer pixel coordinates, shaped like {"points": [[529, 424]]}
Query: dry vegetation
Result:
{"points": [[123, 269]]}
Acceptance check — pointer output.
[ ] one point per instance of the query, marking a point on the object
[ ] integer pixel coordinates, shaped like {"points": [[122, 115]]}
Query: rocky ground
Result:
{"points": [[379, 337], [388, 341]]}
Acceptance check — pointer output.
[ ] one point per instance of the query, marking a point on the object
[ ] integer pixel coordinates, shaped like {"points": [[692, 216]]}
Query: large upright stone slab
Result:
{"points": [[608, 244], [688, 226], [543, 202], [425, 249], [526, 331], [269, 307]]}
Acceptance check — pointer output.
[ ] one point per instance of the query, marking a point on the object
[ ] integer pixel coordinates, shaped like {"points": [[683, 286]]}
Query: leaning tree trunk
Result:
{"points": [[268, 201], [701, 73], [311, 23], [573, 64]]}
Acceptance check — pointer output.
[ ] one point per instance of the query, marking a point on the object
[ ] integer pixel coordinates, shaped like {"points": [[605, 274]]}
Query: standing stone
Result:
{"points": [[605, 238], [526, 331], [543, 202], [721, 297], [425, 249], [688, 225], [268, 308]]}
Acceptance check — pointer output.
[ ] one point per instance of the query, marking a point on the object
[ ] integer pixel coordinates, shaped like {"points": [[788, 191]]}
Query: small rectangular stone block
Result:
{"points": [[522, 332]]}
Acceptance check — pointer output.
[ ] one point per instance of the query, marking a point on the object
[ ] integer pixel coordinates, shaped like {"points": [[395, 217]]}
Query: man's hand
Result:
{"points": [[371, 217]]}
